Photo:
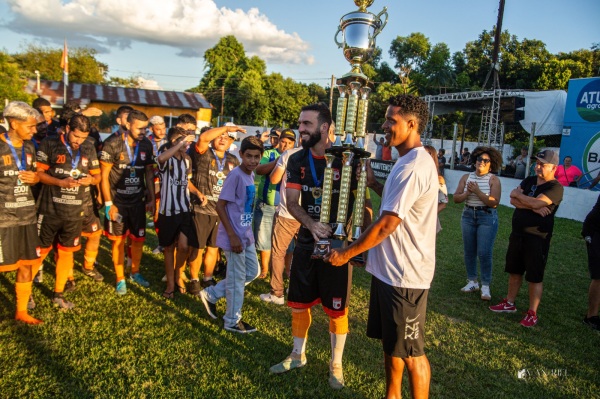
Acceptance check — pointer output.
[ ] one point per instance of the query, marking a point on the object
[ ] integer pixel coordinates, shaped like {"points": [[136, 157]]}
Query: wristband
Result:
{"points": [[108, 203]]}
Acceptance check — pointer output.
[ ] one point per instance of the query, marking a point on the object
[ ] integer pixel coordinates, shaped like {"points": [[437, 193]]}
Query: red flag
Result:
{"points": [[64, 64]]}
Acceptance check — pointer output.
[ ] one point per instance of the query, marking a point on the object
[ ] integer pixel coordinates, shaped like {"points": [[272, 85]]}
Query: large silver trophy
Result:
{"points": [[359, 30]]}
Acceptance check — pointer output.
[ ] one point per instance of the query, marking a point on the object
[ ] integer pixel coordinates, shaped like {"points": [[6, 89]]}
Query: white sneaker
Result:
{"points": [[472, 286], [277, 300], [157, 250], [485, 293]]}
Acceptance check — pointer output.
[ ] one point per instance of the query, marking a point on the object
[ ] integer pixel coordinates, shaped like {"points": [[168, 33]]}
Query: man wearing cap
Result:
{"points": [[211, 163], [536, 201], [273, 137], [268, 198]]}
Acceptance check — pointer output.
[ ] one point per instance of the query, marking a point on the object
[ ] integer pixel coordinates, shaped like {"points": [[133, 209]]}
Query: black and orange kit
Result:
{"points": [[128, 184], [61, 210], [18, 232]]}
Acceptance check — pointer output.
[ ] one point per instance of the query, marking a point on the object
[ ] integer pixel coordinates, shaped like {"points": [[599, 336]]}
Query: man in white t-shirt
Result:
{"points": [[401, 246]]}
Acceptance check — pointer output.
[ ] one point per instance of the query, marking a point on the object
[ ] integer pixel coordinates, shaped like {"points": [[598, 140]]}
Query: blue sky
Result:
{"points": [[164, 40]]}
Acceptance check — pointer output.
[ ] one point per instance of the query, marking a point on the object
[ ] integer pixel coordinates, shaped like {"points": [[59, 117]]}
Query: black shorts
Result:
{"points": [[65, 233], [133, 221], [169, 228], [593, 251], [313, 281], [527, 254], [91, 221], [397, 318], [206, 229], [18, 244]]}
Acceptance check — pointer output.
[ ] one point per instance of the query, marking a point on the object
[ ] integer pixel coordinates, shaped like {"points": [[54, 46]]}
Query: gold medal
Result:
{"points": [[75, 173], [220, 175], [317, 192]]}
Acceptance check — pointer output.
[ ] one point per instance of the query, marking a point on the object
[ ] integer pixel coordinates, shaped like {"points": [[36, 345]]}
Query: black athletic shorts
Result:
{"points": [[397, 318], [66, 232], [527, 254], [313, 281], [206, 229], [593, 251], [133, 221], [91, 221], [18, 244], [169, 228]]}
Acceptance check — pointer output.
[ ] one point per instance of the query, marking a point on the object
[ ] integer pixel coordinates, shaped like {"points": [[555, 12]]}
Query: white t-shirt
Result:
{"points": [[406, 258], [282, 163]]}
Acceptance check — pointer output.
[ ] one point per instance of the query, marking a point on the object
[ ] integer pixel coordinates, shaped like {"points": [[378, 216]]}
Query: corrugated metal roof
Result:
{"points": [[53, 92]]}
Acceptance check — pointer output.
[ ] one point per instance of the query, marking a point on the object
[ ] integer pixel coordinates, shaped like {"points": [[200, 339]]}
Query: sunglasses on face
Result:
{"points": [[483, 160]]}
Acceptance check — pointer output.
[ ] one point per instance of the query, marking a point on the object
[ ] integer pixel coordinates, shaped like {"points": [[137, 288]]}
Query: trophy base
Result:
{"points": [[322, 247]]}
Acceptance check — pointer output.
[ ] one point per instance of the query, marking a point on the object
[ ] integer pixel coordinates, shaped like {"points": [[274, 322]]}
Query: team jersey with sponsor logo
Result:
{"points": [[54, 158], [127, 182], [205, 169], [174, 195], [17, 206], [300, 177]]}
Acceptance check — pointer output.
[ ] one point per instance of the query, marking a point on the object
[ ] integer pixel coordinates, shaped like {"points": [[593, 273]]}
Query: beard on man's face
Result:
{"points": [[315, 137]]}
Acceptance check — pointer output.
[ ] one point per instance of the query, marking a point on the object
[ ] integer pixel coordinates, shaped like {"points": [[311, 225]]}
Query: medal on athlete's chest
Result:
{"points": [[317, 192], [132, 171], [220, 178], [75, 173]]}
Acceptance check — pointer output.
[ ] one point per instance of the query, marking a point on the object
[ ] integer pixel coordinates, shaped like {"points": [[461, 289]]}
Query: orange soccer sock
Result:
{"points": [[64, 265], [89, 258], [118, 257], [301, 320], [23, 291], [137, 248]]}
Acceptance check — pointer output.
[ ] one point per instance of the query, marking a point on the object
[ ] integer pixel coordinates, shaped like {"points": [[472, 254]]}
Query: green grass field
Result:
{"points": [[143, 346]]}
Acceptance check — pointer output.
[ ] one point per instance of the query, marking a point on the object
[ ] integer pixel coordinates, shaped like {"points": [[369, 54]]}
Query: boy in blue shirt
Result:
{"points": [[235, 237]]}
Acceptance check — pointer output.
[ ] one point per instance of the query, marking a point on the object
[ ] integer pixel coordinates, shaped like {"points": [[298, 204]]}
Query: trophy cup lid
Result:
{"points": [[363, 4]]}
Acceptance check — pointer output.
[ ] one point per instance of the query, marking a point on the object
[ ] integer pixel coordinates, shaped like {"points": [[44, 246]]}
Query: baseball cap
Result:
{"points": [[288, 134], [547, 156], [274, 132]]}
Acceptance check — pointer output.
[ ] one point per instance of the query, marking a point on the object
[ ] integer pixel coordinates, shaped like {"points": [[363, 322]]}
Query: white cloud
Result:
{"points": [[149, 84], [192, 26]]}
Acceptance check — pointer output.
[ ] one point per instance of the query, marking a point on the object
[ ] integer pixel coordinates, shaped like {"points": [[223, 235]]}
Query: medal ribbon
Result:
{"points": [[74, 162], [156, 146], [313, 171], [20, 163], [135, 155], [221, 164]]}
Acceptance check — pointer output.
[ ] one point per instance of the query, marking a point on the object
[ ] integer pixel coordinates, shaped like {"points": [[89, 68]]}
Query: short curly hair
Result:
{"points": [[411, 105], [494, 154]]}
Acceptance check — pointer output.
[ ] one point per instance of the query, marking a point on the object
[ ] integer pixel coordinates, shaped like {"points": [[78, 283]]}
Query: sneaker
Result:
{"points": [[39, 277], [289, 363], [593, 322], [164, 279], [472, 286], [211, 308], [157, 250], [194, 287], [485, 293], [530, 319], [208, 283], [277, 300], [336, 376], [30, 303], [61, 302], [121, 287], [241, 327], [70, 286], [137, 277], [93, 273], [504, 307]]}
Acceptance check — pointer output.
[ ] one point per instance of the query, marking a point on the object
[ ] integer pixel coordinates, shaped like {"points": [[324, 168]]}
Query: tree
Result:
{"points": [[12, 81], [83, 65]]}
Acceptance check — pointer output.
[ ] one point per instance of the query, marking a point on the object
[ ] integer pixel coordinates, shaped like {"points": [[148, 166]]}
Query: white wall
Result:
{"points": [[576, 203]]}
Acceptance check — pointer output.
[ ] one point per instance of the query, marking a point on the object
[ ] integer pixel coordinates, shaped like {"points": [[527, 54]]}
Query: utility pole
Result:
{"points": [[222, 99], [331, 94]]}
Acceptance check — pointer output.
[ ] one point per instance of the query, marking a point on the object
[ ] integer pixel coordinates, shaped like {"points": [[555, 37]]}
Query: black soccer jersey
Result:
{"points": [[300, 177], [56, 160], [174, 193], [207, 179], [17, 206], [127, 182]]}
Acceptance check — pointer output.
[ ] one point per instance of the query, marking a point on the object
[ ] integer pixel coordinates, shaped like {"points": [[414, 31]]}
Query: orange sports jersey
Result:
{"points": [[54, 158]]}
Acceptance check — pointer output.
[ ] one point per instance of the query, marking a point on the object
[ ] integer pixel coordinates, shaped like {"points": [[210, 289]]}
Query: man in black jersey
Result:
{"points": [[44, 107], [127, 170], [19, 243], [67, 165], [314, 281], [211, 163]]}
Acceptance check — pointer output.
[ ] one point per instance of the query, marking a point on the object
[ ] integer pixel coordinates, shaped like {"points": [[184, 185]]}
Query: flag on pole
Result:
{"points": [[64, 64]]}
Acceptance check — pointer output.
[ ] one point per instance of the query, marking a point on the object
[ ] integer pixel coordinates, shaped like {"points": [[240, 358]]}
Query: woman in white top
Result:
{"points": [[480, 190]]}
